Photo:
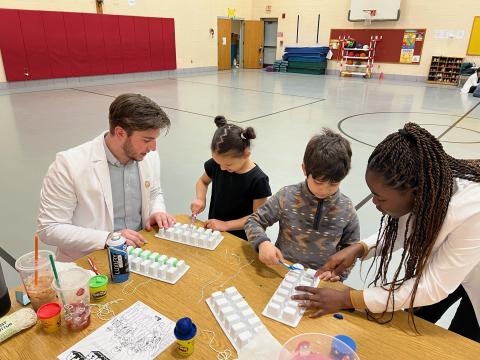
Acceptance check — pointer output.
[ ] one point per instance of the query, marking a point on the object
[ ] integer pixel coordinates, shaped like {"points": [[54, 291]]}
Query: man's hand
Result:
{"points": [[162, 219], [133, 238]]}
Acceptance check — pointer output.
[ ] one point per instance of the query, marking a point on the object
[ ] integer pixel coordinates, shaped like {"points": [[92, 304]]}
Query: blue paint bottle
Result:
{"points": [[118, 258]]}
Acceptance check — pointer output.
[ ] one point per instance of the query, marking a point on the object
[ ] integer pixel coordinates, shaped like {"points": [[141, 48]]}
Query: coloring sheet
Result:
{"points": [[138, 332]]}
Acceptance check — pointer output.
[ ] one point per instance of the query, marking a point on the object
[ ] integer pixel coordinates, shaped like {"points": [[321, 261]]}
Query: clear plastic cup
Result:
{"points": [[75, 297], [38, 287]]}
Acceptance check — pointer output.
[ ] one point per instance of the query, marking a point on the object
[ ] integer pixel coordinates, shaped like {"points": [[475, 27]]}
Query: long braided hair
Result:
{"points": [[412, 158]]}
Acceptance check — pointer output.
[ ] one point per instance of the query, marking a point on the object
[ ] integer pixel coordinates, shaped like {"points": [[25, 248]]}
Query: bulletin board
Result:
{"points": [[474, 43], [398, 46]]}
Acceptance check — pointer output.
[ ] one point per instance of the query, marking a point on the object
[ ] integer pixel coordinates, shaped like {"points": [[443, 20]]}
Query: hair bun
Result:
{"points": [[220, 120], [249, 133]]}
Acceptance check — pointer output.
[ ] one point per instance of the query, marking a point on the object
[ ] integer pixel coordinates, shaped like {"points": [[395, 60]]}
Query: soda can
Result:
{"points": [[118, 258]]}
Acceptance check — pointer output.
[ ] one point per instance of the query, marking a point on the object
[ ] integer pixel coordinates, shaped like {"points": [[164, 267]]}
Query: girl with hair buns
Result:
{"points": [[430, 203], [239, 186]]}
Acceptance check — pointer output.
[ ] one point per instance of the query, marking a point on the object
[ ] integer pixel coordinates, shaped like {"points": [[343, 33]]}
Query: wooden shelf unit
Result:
{"points": [[445, 70]]}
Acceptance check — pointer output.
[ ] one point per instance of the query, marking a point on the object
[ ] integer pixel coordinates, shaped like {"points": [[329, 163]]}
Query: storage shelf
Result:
{"points": [[444, 70], [356, 57]]}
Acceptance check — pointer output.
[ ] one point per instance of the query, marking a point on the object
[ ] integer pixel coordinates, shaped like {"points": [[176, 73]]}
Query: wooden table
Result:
{"points": [[256, 283]]}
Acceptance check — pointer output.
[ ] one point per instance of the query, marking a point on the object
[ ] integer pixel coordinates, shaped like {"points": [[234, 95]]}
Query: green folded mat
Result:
{"points": [[307, 65], [306, 71]]}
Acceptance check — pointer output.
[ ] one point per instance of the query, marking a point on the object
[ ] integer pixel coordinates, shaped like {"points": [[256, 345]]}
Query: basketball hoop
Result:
{"points": [[369, 14]]}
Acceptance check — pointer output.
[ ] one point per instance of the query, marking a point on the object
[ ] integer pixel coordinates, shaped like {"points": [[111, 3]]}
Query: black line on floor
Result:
{"points": [[246, 89], [456, 122], [278, 112], [369, 197], [162, 106]]}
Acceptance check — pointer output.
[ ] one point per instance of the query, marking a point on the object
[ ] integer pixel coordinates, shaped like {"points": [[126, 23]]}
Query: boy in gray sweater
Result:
{"points": [[316, 219]]}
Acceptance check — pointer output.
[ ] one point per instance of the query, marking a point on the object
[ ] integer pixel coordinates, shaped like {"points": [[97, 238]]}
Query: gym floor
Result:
{"points": [[284, 109]]}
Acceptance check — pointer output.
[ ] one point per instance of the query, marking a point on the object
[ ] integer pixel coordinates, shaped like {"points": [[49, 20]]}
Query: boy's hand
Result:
{"points": [[197, 206], [269, 254], [215, 224]]}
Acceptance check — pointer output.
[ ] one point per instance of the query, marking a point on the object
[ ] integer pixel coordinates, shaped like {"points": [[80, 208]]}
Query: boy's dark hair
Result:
{"points": [[328, 157], [135, 112], [231, 139]]}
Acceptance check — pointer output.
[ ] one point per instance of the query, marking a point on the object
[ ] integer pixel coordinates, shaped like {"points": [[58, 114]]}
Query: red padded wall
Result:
{"points": [[95, 44], [56, 39], [127, 36], [12, 48], [35, 44], [113, 44], [49, 44], [157, 56], [77, 44], [142, 44], [169, 44]]}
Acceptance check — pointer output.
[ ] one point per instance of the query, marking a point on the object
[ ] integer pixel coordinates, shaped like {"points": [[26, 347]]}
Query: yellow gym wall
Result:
{"points": [[432, 15], [193, 19]]}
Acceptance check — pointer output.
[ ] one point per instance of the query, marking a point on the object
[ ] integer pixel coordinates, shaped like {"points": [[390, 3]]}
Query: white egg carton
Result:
{"points": [[280, 307], [191, 235], [156, 266], [236, 318]]}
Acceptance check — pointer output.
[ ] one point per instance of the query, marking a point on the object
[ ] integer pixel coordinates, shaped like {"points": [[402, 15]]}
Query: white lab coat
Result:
{"points": [[76, 209], [455, 257], [471, 81]]}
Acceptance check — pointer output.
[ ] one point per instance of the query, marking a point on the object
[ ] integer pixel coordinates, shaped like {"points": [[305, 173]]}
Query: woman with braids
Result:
{"points": [[430, 203]]}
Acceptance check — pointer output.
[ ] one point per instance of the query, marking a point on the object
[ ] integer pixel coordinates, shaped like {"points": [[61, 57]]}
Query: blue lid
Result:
{"points": [[185, 329], [344, 340]]}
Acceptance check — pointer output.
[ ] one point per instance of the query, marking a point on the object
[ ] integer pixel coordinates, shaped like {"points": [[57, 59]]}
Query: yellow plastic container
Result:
{"points": [[49, 315], [185, 331], [185, 347], [98, 287]]}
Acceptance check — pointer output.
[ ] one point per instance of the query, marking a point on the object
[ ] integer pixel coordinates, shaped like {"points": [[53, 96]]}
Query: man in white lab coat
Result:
{"points": [[111, 183], [471, 83]]}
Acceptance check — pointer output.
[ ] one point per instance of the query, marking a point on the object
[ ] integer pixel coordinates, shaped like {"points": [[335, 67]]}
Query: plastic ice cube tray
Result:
{"points": [[156, 266], [280, 307], [191, 235], [236, 318]]}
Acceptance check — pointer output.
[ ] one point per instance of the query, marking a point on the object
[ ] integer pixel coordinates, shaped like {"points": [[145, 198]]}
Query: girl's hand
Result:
{"points": [[197, 206], [269, 254], [215, 224]]}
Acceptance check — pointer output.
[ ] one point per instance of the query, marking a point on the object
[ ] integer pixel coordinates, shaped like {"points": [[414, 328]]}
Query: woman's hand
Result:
{"points": [[323, 300], [339, 262]]}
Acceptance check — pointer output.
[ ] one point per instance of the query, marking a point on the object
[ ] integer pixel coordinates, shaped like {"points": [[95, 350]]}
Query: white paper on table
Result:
{"points": [[263, 346], [137, 333]]}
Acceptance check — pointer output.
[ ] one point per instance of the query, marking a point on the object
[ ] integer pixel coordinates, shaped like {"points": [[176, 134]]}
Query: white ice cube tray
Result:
{"points": [[191, 235], [236, 318], [156, 266], [280, 307]]}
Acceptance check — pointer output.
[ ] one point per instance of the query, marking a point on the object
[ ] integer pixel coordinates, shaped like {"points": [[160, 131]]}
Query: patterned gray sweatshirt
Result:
{"points": [[311, 229]]}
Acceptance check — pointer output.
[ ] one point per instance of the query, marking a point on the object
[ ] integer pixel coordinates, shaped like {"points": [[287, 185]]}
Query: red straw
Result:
{"points": [[36, 259]]}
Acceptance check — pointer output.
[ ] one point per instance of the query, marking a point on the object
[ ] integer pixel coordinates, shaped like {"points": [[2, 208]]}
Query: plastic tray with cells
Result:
{"points": [[236, 318], [280, 307], [156, 266], [191, 235]]}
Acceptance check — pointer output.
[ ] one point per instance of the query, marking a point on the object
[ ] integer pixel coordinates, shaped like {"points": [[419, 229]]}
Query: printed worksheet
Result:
{"points": [[138, 332]]}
